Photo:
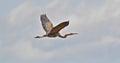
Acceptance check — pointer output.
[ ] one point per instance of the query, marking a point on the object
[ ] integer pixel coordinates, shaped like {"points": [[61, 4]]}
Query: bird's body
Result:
{"points": [[52, 31]]}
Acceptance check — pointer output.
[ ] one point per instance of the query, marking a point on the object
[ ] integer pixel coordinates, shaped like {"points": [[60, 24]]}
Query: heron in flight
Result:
{"points": [[53, 31]]}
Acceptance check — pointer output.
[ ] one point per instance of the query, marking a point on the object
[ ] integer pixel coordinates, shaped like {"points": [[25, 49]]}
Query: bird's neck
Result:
{"points": [[62, 36]]}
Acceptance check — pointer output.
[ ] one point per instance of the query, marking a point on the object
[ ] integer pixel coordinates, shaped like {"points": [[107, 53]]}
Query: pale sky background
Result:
{"points": [[96, 21]]}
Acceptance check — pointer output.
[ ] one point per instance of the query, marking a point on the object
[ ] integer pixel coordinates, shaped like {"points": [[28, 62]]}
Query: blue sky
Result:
{"points": [[96, 21]]}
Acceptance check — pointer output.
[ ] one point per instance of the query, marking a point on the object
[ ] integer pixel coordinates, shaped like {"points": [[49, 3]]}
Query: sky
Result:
{"points": [[97, 23]]}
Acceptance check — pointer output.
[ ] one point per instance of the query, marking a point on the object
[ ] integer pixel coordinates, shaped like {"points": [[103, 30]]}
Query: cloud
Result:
{"points": [[97, 25], [52, 4], [92, 13], [20, 13], [79, 49], [26, 51]]}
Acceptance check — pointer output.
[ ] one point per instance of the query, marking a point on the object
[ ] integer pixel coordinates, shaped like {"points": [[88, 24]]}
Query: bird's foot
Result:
{"points": [[39, 37]]}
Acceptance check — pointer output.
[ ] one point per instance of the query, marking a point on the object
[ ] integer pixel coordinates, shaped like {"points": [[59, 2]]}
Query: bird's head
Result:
{"points": [[71, 34]]}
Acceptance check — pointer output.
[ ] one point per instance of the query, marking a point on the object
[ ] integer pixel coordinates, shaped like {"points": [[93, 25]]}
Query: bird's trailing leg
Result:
{"points": [[40, 36]]}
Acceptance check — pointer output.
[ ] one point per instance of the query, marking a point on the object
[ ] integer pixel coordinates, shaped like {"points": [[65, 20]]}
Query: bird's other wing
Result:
{"points": [[47, 25], [60, 26]]}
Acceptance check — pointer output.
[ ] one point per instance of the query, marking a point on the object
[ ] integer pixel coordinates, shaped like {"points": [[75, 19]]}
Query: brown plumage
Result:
{"points": [[57, 28], [53, 31]]}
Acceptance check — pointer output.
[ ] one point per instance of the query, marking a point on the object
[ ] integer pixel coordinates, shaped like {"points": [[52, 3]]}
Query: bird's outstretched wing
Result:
{"points": [[60, 26], [47, 25]]}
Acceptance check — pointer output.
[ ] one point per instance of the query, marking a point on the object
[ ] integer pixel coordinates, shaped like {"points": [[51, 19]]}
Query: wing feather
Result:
{"points": [[47, 25], [60, 26]]}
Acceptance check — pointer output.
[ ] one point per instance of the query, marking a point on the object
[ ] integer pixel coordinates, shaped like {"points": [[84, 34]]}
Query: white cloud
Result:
{"points": [[92, 13], [18, 14], [81, 48], [52, 4], [84, 16], [26, 51]]}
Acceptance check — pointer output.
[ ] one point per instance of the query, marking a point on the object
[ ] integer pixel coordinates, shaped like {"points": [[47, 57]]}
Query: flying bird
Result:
{"points": [[53, 31]]}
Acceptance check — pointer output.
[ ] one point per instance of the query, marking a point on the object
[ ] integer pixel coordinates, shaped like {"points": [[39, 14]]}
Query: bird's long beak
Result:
{"points": [[73, 33]]}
